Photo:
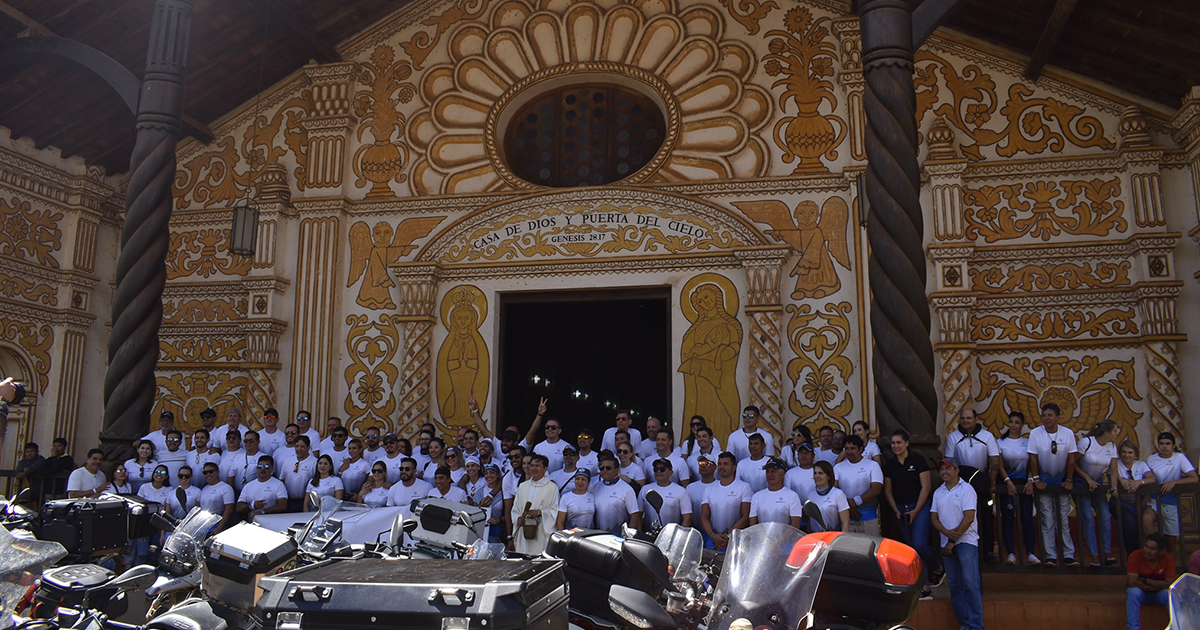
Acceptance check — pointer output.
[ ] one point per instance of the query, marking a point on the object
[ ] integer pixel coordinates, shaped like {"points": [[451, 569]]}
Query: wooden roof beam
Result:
{"points": [[1050, 35], [277, 11], [35, 27]]}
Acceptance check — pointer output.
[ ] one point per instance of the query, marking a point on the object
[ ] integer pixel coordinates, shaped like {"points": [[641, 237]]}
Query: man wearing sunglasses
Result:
{"points": [[409, 488], [333, 423], [174, 456], [624, 423], [373, 449], [296, 471], [393, 459], [166, 422], [676, 506], [304, 422], [216, 496], [552, 447], [1052, 453], [336, 447], [664, 448], [739, 440], [270, 437], [588, 459], [234, 463], [616, 502], [264, 495]]}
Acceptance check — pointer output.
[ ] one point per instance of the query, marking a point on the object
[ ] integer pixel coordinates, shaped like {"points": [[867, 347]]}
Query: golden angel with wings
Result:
{"points": [[372, 250], [819, 236]]}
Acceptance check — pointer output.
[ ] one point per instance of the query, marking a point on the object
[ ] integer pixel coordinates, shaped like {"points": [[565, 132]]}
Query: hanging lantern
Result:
{"points": [[244, 235]]}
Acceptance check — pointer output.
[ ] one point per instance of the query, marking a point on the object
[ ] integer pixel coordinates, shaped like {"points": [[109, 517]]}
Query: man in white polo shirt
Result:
{"points": [[616, 502], [775, 504], [973, 445], [738, 442], [676, 506], [624, 420], [264, 495], [1052, 452], [953, 515]]}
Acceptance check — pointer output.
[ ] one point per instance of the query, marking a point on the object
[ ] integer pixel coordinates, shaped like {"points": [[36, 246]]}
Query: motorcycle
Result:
{"points": [[181, 561], [1184, 599]]}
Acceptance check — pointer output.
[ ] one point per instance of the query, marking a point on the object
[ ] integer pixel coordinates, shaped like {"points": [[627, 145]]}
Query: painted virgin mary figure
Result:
{"points": [[462, 362], [709, 360]]}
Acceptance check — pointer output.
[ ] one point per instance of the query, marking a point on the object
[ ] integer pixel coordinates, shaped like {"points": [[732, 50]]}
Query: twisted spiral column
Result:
{"points": [[903, 353], [129, 385]]}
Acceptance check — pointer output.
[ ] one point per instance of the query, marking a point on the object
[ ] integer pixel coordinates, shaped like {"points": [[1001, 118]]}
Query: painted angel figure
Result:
{"points": [[372, 250], [819, 237]]}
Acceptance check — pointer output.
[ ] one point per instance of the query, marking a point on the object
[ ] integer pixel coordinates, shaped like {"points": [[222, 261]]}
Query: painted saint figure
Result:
{"points": [[709, 359], [462, 359]]}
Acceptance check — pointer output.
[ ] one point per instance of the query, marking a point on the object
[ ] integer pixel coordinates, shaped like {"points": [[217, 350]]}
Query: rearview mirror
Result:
{"points": [[139, 578], [816, 522], [655, 500], [638, 608], [181, 497]]}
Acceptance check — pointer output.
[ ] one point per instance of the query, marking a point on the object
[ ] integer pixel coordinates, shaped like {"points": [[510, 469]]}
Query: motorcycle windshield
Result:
{"points": [[768, 582], [22, 560], [1185, 603], [683, 547], [316, 536], [183, 552]]}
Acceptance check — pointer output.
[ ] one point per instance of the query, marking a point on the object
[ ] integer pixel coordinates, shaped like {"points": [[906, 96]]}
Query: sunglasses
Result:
{"points": [[290, 432], [303, 419], [264, 467], [407, 469], [747, 415], [250, 441], [210, 472], [607, 468], [1054, 448], [296, 468], [183, 476], [161, 472], [583, 436], [659, 469], [173, 440], [551, 427], [386, 442], [379, 472], [624, 452]]}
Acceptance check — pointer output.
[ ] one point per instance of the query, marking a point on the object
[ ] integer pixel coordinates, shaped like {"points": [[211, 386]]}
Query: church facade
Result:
{"points": [[474, 148]]}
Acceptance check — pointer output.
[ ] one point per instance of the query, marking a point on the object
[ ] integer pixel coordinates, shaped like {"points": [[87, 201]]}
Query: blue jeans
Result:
{"points": [[1010, 505], [1135, 598], [966, 586], [917, 535], [1090, 508]]}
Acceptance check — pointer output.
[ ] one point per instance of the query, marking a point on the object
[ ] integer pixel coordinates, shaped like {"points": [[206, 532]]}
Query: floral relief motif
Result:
{"points": [[17, 286], [1050, 277], [1055, 325], [201, 349], [748, 13], [383, 160], [1087, 391], [204, 253], [198, 311], [713, 112], [803, 55], [1009, 211], [29, 234], [821, 363], [187, 394], [1029, 125], [35, 339], [421, 44], [372, 374]]}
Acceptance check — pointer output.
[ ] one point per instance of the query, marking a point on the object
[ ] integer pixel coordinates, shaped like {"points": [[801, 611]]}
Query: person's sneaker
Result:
{"points": [[1050, 562], [926, 593], [1110, 561], [1071, 562], [1011, 559], [936, 578], [1033, 560]]}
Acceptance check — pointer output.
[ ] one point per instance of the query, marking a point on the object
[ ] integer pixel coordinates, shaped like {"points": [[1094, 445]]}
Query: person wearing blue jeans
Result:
{"points": [[953, 515], [1148, 575], [907, 487]]}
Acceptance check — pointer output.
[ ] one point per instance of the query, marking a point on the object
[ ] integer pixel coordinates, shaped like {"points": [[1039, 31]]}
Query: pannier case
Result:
{"points": [[236, 558], [87, 527], [373, 593], [441, 523], [594, 562], [870, 578]]}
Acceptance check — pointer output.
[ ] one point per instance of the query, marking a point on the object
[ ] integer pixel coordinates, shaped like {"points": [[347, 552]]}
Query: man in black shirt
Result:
{"points": [[908, 488]]}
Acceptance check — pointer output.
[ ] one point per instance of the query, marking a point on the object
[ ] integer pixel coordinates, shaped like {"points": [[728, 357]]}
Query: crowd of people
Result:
{"points": [[535, 483]]}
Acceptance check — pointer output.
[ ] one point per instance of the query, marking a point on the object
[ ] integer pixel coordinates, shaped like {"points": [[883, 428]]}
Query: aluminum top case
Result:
{"points": [[236, 558], [372, 593], [441, 523]]}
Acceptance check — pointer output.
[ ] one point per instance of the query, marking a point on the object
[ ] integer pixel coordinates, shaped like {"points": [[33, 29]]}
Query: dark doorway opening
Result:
{"points": [[589, 352]]}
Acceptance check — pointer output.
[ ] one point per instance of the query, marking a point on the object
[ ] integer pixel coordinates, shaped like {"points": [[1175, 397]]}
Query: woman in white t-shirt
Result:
{"points": [[791, 451], [835, 509], [1097, 460], [578, 507], [1131, 475], [324, 483], [374, 492], [354, 469], [159, 491], [1014, 454], [870, 450], [630, 469], [191, 492], [141, 466], [120, 481]]}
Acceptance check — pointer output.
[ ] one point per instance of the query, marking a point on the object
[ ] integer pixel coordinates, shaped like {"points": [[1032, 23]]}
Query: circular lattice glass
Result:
{"points": [[583, 136]]}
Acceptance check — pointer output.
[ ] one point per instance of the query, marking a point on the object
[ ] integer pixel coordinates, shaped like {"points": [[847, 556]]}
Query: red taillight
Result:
{"points": [[899, 562], [805, 546]]}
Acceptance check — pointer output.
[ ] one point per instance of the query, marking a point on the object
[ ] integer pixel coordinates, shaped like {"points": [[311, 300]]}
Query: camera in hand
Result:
{"points": [[18, 393]]}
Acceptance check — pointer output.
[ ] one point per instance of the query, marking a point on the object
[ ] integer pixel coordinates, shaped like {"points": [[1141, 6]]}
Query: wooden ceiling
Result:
{"points": [[1146, 47]]}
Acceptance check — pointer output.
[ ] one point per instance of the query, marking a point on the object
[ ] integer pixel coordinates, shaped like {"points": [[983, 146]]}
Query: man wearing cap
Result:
{"points": [[233, 423], [726, 504], [577, 504], [393, 458], [201, 455], [564, 477], [706, 476], [862, 481], [705, 445], [208, 422], [739, 440], [676, 505], [270, 437], [588, 459], [953, 514], [616, 503], [775, 503], [552, 447], [624, 422], [409, 488], [166, 423], [444, 488], [800, 478], [664, 444], [750, 469]]}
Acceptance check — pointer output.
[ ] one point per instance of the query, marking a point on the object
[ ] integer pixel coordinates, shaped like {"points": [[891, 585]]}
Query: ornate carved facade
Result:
{"points": [[392, 223]]}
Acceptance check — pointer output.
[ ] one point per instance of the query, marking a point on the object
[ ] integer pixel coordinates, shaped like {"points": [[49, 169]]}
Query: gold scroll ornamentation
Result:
{"points": [[1010, 211], [1050, 277], [19, 286], [194, 350], [463, 360], [820, 363], [804, 54], [377, 107], [1086, 390], [193, 392], [35, 339], [748, 13], [203, 253], [29, 234], [200, 311], [709, 351], [372, 374], [421, 44], [1067, 324]]}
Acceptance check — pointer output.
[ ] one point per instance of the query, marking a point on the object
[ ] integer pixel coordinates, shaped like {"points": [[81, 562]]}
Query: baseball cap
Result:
{"points": [[494, 467], [583, 472], [946, 462], [471, 459], [570, 449], [665, 462], [702, 458], [167, 414], [776, 463], [208, 413], [806, 447]]}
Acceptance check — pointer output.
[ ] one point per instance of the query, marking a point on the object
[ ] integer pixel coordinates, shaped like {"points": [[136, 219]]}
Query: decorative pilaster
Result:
{"points": [[137, 311], [765, 310], [328, 123], [417, 285], [903, 353], [312, 339], [1142, 164], [851, 79], [66, 413]]}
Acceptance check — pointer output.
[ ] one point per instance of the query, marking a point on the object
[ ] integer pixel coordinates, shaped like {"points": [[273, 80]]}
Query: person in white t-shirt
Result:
{"points": [[552, 447], [577, 506], [1170, 469], [217, 497], [166, 423], [354, 469], [953, 515], [705, 477], [862, 481], [264, 495], [646, 450], [304, 423], [616, 502], [738, 442], [332, 424], [1014, 456], [790, 452], [824, 450], [335, 446], [174, 456], [1097, 460], [372, 448], [444, 488], [87, 480], [870, 448], [296, 472], [676, 506], [973, 445], [271, 437], [799, 478], [324, 483], [704, 445], [830, 500], [191, 493], [664, 448], [624, 422], [1132, 474], [631, 470], [201, 454], [236, 464], [588, 459], [1052, 452], [750, 468], [726, 504], [775, 504], [233, 424], [408, 488]]}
